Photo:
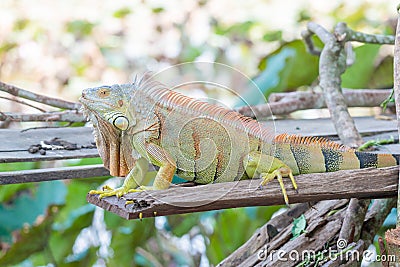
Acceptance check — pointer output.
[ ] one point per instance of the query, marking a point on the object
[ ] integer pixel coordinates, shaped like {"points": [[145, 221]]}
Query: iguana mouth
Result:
{"points": [[86, 102]]}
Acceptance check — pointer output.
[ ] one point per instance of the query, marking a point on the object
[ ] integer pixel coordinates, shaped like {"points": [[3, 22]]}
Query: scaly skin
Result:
{"points": [[145, 122]]}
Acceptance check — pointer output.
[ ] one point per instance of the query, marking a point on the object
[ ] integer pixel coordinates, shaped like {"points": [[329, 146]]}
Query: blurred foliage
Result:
{"points": [[283, 69], [80, 28], [51, 222]]}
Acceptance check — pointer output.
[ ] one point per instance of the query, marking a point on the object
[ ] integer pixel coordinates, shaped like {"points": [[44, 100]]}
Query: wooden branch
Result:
{"points": [[353, 97], [317, 217], [332, 65], [396, 77], [393, 236], [60, 116], [50, 174], [23, 103], [354, 219], [365, 183], [51, 101], [266, 233], [346, 34], [285, 103]]}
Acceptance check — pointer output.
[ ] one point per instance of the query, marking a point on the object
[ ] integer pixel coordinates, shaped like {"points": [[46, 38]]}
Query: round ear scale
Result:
{"points": [[121, 123]]}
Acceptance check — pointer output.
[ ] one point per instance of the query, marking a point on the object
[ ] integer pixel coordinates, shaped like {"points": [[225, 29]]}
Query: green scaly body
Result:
{"points": [[145, 122]]}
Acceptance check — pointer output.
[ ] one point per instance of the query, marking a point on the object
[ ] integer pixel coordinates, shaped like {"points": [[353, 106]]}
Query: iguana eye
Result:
{"points": [[121, 123], [103, 92]]}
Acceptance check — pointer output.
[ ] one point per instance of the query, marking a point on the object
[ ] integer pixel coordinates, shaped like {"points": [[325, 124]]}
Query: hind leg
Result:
{"points": [[268, 168]]}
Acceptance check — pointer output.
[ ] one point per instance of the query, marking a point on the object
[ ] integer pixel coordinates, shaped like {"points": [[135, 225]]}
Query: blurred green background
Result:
{"points": [[58, 48]]}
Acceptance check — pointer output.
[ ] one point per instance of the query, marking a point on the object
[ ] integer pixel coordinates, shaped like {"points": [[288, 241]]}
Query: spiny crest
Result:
{"points": [[177, 101], [308, 140]]}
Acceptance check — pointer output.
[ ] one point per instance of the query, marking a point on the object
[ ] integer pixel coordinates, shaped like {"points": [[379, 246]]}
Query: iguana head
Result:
{"points": [[110, 103], [107, 107]]}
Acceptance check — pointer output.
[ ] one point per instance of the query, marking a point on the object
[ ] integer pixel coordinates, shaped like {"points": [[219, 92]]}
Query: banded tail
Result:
{"points": [[316, 154]]}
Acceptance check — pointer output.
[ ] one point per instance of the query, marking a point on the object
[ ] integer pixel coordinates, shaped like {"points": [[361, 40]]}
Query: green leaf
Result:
{"points": [[8, 192], [157, 10], [126, 236], [29, 240], [21, 24], [272, 36], [64, 234], [83, 259], [190, 53], [232, 229], [237, 29], [6, 46], [382, 76], [76, 196], [181, 224], [299, 226], [29, 205], [389, 99], [80, 28], [359, 74], [285, 69], [122, 12]]}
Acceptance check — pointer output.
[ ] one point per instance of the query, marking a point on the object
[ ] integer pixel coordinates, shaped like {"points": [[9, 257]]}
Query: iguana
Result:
{"points": [[144, 121]]}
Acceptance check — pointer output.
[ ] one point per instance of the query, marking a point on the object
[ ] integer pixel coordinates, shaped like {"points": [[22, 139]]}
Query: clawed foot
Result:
{"points": [[107, 191], [279, 173]]}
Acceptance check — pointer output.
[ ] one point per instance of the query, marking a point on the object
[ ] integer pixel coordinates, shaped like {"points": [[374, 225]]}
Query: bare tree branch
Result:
{"points": [[346, 34], [62, 116], [285, 103], [54, 102], [23, 103], [396, 78]]}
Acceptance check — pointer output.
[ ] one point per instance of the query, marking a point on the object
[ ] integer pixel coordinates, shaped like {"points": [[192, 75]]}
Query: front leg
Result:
{"points": [[159, 157], [268, 168], [132, 180]]}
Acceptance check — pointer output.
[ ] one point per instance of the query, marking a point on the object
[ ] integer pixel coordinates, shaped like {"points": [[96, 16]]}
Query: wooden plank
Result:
{"points": [[365, 183], [15, 144], [325, 127], [49, 174]]}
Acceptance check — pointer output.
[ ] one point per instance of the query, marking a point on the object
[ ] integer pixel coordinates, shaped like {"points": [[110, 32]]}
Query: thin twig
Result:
{"points": [[309, 43], [46, 127], [23, 103], [62, 116], [55, 102]]}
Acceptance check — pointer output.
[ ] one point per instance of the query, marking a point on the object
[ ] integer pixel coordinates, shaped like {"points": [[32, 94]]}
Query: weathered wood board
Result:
{"points": [[14, 145], [50, 174], [365, 183]]}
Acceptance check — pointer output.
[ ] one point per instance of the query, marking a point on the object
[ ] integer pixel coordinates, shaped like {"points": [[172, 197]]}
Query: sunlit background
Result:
{"points": [[58, 48]]}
